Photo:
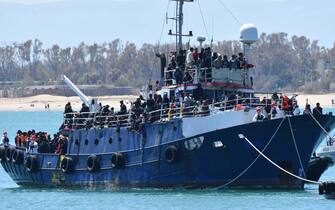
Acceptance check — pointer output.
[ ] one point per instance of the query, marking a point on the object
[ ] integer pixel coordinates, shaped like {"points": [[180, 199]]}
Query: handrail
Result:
{"points": [[163, 113]]}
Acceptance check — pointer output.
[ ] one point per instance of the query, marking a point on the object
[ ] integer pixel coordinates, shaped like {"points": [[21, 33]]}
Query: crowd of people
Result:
{"points": [[181, 62], [41, 142], [141, 110], [279, 106]]}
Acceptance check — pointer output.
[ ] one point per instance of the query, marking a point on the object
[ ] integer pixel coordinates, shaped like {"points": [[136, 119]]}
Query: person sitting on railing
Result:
{"points": [[258, 116], [242, 63], [218, 63], [189, 58], [187, 78]]}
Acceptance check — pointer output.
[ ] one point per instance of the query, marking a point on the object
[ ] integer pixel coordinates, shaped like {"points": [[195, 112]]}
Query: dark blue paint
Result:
{"points": [[206, 166]]}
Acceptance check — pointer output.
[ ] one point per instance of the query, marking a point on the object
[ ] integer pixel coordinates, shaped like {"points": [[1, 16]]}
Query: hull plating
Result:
{"points": [[208, 160]]}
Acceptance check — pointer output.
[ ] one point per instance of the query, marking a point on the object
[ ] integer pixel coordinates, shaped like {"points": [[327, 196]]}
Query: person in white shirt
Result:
{"points": [[189, 57], [258, 116], [296, 110]]}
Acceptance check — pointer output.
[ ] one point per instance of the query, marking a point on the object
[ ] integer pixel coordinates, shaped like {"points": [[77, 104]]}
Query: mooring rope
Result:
{"points": [[317, 122], [253, 162], [241, 136], [295, 146]]}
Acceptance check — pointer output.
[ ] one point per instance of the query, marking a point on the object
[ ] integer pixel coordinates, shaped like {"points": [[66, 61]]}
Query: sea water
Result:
{"points": [[14, 197]]}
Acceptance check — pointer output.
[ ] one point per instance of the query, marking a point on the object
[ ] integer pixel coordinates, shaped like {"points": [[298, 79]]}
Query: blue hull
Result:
{"points": [[200, 161]]}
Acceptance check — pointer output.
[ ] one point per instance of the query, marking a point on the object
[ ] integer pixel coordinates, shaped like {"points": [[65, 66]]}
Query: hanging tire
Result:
{"points": [[93, 163], [171, 154], [118, 160], [17, 157], [31, 163], [321, 189], [67, 165], [2, 154], [9, 153]]}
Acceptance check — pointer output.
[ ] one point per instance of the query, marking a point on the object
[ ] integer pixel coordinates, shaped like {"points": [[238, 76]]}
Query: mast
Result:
{"points": [[179, 24]]}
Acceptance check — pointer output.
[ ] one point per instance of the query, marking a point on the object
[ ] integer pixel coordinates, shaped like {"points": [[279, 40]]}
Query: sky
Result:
{"points": [[69, 22]]}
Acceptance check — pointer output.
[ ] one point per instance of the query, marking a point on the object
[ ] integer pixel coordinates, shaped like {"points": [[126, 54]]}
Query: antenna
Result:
{"points": [[179, 24]]}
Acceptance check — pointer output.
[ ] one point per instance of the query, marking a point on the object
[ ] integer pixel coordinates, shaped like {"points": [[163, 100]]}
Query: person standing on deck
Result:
{"points": [[5, 139], [317, 111]]}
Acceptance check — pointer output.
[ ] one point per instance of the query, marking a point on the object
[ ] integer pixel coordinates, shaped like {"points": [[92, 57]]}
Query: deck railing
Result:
{"points": [[166, 112]]}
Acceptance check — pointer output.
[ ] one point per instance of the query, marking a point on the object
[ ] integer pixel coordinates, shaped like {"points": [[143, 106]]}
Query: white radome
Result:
{"points": [[248, 34]]}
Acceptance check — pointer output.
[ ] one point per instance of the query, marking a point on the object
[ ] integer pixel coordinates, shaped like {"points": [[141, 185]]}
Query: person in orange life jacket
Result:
{"points": [[258, 116]]}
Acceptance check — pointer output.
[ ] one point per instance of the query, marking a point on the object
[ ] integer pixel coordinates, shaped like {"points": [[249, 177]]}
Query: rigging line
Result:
{"points": [[230, 12], [295, 145], [253, 162], [317, 122], [203, 20], [273, 163], [163, 26]]}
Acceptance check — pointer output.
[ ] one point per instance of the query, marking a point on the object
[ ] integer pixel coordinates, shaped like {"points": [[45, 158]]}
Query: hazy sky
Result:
{"points": [[68, 22]]}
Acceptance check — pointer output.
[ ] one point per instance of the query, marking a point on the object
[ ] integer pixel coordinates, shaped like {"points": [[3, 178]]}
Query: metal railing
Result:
{"points": [[166, 112]]}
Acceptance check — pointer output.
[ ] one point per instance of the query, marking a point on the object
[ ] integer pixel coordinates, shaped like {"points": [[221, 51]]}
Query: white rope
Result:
{"points": [[296, 147], [317, 122], [273, 163], [253, 162]]}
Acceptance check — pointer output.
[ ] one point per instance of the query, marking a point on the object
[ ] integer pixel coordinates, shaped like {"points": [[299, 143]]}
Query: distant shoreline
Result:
{"points": [[57, 103]]}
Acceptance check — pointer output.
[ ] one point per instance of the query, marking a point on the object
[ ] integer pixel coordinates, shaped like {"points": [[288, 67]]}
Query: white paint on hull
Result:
{"points": [[220, 120]]}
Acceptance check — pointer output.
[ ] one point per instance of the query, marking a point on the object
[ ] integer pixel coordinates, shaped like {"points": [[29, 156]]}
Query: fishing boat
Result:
{"points": [[207, 144]]}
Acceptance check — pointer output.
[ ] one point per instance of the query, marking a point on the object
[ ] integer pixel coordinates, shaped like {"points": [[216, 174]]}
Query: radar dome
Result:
{"points": [[249, 34]]}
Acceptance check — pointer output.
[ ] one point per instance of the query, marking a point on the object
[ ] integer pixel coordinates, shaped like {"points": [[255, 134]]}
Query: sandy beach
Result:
{"points": [[57, 103]]}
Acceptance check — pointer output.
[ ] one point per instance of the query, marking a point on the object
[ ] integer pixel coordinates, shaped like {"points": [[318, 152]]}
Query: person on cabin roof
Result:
{"points": [[189, 58], [225, 62], [196, 56], [317, 111], [218, 63], [162, 58], [258, 116], [233, 63]]}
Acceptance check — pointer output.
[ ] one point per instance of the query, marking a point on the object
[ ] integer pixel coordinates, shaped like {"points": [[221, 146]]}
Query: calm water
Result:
{"points": [[13, 197]]}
